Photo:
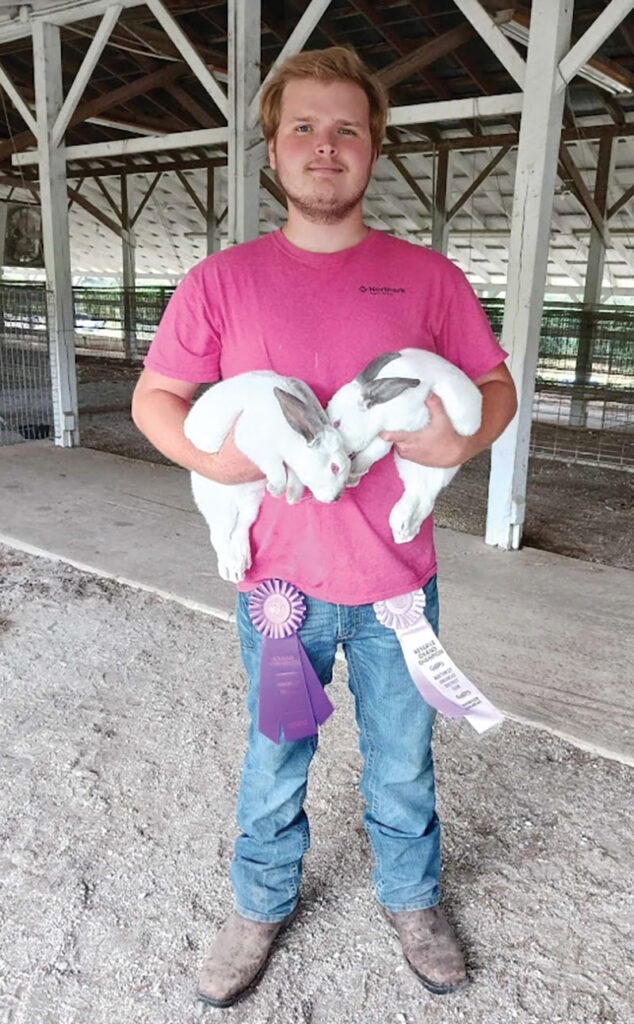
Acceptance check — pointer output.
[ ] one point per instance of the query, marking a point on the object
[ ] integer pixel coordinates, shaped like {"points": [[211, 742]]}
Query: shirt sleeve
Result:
{"points": [[464, 336], [187, 344]]}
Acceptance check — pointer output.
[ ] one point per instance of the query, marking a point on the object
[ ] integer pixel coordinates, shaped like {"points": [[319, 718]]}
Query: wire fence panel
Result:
{"points": [[117, 322], [26, 407], [583, 406]]}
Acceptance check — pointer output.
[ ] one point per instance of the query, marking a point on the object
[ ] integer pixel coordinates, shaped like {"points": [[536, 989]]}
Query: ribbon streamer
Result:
{"points": [[292, 698], [438, 680]]}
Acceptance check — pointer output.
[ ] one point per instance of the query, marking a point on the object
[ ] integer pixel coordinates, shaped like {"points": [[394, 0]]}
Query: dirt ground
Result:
{"points": [[121, 741], [577, 510]]}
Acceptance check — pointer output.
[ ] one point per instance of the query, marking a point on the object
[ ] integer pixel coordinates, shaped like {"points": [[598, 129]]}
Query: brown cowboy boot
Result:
{"points": [[237, 958], [430, 948]]}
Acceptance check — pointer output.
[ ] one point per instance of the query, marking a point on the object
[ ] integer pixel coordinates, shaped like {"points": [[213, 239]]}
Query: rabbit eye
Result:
{"points": [[335, 469], [337, 424]]}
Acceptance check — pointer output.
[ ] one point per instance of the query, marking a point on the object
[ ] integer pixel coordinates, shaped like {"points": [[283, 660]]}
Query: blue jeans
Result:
{"points": [[397, 781]]}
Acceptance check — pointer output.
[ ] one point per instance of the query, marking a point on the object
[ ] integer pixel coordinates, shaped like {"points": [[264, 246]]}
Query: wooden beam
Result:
{"points": [[190, 54], [426, 54], [583, 193], [411, 181], [505, 138], [601, 27], [620, 203], [149, 167], [146, 199], [104, 191], [442, 187], [188, 103], [294, 44], [200, 206], [488, 29], [17, 100], [272, 188], [98, 214], [477, 106], [140, 86], [147, 144], [475, 185], [82, 77]]}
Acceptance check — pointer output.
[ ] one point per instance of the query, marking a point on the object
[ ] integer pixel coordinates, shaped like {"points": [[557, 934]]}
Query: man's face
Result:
{"points": [[322, 150]]}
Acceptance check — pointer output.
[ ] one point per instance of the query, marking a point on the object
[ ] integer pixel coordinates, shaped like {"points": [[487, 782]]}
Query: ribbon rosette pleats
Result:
{"points": [[292, 698], [438, 680]]}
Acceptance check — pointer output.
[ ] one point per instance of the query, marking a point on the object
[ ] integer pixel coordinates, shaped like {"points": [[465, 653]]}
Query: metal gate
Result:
{"points": [[583, 406], [26, 407]]}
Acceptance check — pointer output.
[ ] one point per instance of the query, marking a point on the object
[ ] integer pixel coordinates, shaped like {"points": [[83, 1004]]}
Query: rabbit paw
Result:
{"points": [[406, 520], [276, 487], [294, 489], [233, 564]]}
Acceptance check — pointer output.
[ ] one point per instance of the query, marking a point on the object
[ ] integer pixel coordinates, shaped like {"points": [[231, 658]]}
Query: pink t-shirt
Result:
{"points": [[267, 305]]}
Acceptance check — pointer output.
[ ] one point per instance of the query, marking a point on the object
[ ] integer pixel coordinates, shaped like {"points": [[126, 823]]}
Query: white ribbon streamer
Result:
{"points": [[439, 681]]}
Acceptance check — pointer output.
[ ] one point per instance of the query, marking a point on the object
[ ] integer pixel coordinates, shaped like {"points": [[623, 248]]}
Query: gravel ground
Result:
{"points": [[121, 741]]}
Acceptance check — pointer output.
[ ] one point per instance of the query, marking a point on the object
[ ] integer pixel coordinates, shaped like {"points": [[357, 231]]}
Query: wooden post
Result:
{"points": [[539, 139], [592, 289], [440, 220], [59, 295], [128, 252], [213, 232], [244, 157]]}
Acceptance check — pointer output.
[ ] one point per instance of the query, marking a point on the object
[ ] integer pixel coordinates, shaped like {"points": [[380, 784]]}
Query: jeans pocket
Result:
{"points": [[246, 630]]}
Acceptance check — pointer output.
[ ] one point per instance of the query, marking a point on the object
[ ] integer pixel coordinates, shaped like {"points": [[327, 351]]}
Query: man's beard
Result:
{"points": [[321, 209]]}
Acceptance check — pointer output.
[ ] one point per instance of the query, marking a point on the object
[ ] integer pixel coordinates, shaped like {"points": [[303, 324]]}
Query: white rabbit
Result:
{"points": [[282, 428], [377, 399]]}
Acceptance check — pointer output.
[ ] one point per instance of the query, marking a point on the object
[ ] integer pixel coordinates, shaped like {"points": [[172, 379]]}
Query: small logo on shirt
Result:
{"points": [[380, 289]]}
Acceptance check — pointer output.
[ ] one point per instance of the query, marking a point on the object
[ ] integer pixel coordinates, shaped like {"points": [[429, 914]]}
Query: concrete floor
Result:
{"points": [[549, 639]]}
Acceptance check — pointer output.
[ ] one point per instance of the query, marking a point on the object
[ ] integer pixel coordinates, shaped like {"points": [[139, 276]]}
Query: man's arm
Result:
{"points": [[159, 407], [438, 444]]}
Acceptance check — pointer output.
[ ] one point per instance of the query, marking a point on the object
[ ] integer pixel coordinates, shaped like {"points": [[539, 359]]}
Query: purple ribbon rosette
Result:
{"points": [[438, 680], [292, 698]]}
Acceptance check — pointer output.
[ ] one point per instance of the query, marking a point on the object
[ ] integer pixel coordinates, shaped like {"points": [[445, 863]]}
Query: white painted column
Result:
{"points": [[245, 156], [59, 295], [539, 139]]}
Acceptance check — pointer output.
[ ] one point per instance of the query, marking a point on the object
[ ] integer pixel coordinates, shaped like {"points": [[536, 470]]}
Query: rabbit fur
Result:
{"points": [[282, 428], [389, 394]]}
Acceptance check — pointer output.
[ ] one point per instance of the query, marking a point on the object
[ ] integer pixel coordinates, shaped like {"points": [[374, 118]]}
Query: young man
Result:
{"points": [[318, 300]]}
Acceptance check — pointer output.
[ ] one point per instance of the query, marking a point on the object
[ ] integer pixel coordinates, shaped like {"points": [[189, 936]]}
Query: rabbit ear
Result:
{"points": [[300, 416], [371, 370], [314, 411], [378, 391]]}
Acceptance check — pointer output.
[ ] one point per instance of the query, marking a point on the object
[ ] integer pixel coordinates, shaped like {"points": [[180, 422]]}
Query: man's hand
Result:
{"points": [[437, 444]]}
